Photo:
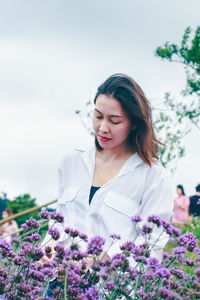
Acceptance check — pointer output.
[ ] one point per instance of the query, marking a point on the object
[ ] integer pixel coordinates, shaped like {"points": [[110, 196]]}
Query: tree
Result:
{"points": [[22, 203], [182, 113]]}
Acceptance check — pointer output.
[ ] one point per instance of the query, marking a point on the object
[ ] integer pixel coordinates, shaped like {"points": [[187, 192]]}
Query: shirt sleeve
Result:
{"points": [[157, 200], [59, 226]]}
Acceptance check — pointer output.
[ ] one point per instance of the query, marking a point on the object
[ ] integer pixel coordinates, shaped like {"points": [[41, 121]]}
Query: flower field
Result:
{"points": [[29, 271]]}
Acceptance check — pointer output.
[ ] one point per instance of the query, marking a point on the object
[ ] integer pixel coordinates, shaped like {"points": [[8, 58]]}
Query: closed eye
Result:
{"points": [[115, 122]]}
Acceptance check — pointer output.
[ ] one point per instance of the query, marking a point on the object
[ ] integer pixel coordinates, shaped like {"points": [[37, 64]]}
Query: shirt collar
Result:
{"points": [[88, 155]]}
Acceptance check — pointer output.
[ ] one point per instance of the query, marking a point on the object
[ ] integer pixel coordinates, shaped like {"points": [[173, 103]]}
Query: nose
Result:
{"points": [[104, 126]]}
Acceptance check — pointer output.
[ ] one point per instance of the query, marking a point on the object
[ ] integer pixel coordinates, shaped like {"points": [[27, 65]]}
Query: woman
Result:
{"points": [[101, 187], [181, 206], [8, 229]]}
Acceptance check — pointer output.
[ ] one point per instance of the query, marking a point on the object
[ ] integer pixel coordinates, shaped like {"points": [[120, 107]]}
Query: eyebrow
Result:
{"points": [[116, 116]]}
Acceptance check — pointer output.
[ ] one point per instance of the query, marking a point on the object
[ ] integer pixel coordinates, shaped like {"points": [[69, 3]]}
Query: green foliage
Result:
{"points": [[22, 203], [184, 112], [188, 54], [194, 227]]}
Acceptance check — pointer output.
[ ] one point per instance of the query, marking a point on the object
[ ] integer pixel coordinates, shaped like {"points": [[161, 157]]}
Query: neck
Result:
{"points": [[116, 153], [198, 193]]}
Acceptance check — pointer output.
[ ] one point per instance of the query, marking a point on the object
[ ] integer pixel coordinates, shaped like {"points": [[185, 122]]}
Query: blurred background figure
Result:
{"points": [[8, 229], [194, 209], [3, 203], [181, 206]]}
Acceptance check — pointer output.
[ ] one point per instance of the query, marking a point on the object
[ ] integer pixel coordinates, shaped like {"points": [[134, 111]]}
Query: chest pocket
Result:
{"points": [[66, 204], [68, 195], [116, 213]]}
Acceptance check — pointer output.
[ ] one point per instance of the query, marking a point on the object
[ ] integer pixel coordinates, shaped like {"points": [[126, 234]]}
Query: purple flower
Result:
{"points": [[190, 262], [167, 227], [119, 260], [136, 218], [92, 293], [171, 240], [6, 248], [34, 292], [54, 233], [197, 272], [142, 294], [47, 271], [155, 220], [115, 236], [127, 246], [15, 241], [188, 240], [83, 237], [178, 273], [163, 272], [95, 245], [77, 255], [148, 275], [58, 217], [153, 263], [165, 293], [146, 229], [48, 250], [3, 273], [140, 258], [179, 250], [73, 278], [36, 275], [37, 253], [198, 202], [60, 250], [176, 231], [109, 286], [166, 256], [138, 250], [44, 214], [33, 238], [30, 224], [72, 232]]}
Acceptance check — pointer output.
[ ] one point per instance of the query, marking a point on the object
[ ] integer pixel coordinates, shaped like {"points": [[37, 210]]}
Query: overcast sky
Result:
{"points": [[53, 56]]}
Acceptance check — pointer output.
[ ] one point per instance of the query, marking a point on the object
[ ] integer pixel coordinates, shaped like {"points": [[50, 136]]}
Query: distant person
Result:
{"points": [[194, 209], [181, 206], [3, 204], [8, 229]]}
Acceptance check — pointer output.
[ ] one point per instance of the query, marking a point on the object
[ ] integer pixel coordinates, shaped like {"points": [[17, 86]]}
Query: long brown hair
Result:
{"points": [[142, 139]]}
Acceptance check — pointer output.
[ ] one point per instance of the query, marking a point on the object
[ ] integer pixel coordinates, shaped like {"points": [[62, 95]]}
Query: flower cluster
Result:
{"points": [[133, 273], [30, 224]]}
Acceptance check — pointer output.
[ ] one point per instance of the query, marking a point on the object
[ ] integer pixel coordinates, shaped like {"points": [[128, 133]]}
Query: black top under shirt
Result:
{"points": [[92, 192]]}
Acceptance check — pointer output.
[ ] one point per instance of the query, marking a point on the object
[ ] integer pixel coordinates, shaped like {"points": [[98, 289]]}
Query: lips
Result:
{"points": [[103, 138]]}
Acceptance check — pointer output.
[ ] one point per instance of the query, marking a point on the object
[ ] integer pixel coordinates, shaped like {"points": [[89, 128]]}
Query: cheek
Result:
{"points": [[95, 124], [124, 131]]}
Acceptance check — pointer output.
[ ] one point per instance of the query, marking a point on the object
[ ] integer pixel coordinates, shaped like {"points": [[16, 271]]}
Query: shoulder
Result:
{"points": [[157, 177], [74, 156], [157, 171]]}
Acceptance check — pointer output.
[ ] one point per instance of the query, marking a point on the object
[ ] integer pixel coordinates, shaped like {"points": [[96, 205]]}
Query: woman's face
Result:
{"points": [[110, 122], [179, 191], [5, 215]]}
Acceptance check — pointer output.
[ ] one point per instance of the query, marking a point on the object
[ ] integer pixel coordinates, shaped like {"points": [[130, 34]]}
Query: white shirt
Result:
{"points": [[137, 189]]}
